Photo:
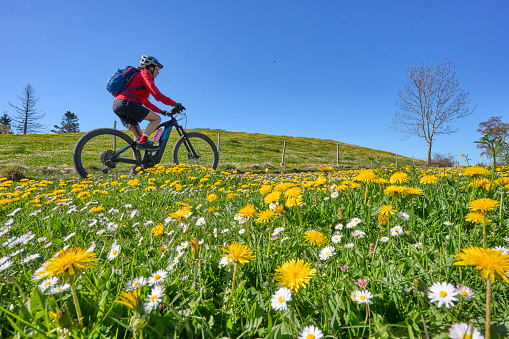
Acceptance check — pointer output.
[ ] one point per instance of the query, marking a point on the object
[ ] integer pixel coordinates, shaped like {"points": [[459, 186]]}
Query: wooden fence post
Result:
{"points": [[413, 161], [114, 137], [337, 154], [218, 141], [283, 157]]}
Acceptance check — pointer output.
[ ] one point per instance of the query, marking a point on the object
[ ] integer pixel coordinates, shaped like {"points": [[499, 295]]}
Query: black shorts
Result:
{"points": [[130, 113]]}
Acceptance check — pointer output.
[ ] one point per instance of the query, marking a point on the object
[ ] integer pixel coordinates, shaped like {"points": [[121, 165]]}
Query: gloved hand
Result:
{"points": [[165, 113], [178, 107]]}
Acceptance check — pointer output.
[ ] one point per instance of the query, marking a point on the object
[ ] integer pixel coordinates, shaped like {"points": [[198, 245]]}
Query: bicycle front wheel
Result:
{"points": [[105, 151], [195, 149]]}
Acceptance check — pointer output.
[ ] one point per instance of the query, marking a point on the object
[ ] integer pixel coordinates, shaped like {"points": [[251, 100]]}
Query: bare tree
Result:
{"points": [[430, 102], [27, 114]]}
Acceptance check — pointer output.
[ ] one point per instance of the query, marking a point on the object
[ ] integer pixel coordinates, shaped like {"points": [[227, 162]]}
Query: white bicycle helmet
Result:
{"points": [[147, 60]]}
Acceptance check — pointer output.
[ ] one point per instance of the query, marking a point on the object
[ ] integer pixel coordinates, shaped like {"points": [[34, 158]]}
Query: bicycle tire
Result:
{"points": [[93, 148], [203, 145]]}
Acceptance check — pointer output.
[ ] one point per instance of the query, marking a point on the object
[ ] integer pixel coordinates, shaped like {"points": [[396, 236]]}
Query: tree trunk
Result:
{"points": [[429, 154]]}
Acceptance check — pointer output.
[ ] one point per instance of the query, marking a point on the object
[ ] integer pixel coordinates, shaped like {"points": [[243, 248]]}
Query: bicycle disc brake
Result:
{"points": [[106, 159]]}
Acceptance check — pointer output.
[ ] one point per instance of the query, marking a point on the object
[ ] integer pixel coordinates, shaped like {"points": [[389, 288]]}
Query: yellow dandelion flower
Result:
{"points": [[272, 197], [483, 205], [238, 253], [265, 189], [265, 216], [394, 190], [294, 274], [70, 262], [315, 238], [279, 209], [412, 191], [476, 218], [293, 192], [212, 197], [97, 209], [157, 230], [132, 300], [281, 187], [181, 213], [428, 179], [247, 211], [133, 182], [488, 262], [383, 219], [502, 181], [386, 210], [366, 176], [475, 171], [481, 183], [293, 202], [399, 178]]}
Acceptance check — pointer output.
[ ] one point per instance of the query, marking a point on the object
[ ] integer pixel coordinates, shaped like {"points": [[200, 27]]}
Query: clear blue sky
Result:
{"points": [[337, 71]]}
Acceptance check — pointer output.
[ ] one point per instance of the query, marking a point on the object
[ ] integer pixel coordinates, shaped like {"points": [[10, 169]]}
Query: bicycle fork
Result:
{"points": [[191, 152]]}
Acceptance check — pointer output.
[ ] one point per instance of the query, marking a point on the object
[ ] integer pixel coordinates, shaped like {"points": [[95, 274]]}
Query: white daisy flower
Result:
{"points": [[358, 234], [241, 231], [47, 283], [364, 297], [134, 213], [200, 221], [114, 251], [334, 195], [396, 231], [14, 212], [350, 245], [462, 331], [339, 227], [310, 332], [154, 299], [136, 283], [326, 253], [157, 278], [505, 250], [183, 246], [403, 215], [336, 238], [31, 257], [465, 291], [448, 223], [418, 245], [384, 239], [280, 298], [69, 236], [224, 261], [58, 288], [215, 232], [443, 293], [5, 265]]}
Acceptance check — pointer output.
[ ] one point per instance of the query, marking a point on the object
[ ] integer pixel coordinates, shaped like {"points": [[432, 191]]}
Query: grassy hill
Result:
{"points": [[51, 154]]}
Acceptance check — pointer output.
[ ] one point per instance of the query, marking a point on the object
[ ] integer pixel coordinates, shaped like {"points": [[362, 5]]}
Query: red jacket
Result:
{"points": [[143, 78]]}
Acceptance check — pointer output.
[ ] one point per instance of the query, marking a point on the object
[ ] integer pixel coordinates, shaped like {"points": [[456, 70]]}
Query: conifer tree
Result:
{"points": [[69, 124]]}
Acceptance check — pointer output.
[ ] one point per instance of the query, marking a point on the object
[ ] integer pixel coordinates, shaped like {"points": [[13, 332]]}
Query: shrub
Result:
{"points": [[442, 160]]}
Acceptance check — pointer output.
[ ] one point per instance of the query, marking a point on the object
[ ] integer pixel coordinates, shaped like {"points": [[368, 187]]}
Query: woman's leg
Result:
{"points": [[154, 121]]}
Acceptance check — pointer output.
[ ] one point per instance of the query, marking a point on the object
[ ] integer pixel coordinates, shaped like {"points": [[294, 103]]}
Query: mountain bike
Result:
{"points": [[109, 151]]}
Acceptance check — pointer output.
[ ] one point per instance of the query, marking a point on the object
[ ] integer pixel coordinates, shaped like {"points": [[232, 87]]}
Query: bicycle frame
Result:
{"points": [[157, 156]]}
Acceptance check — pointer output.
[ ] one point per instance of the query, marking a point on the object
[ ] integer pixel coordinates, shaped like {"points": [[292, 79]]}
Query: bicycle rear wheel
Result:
{"points": [[94, 153], [197, 149]]}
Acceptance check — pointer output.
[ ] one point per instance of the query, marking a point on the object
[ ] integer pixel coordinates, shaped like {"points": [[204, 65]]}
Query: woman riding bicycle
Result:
{"points": [[132, 105]]}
